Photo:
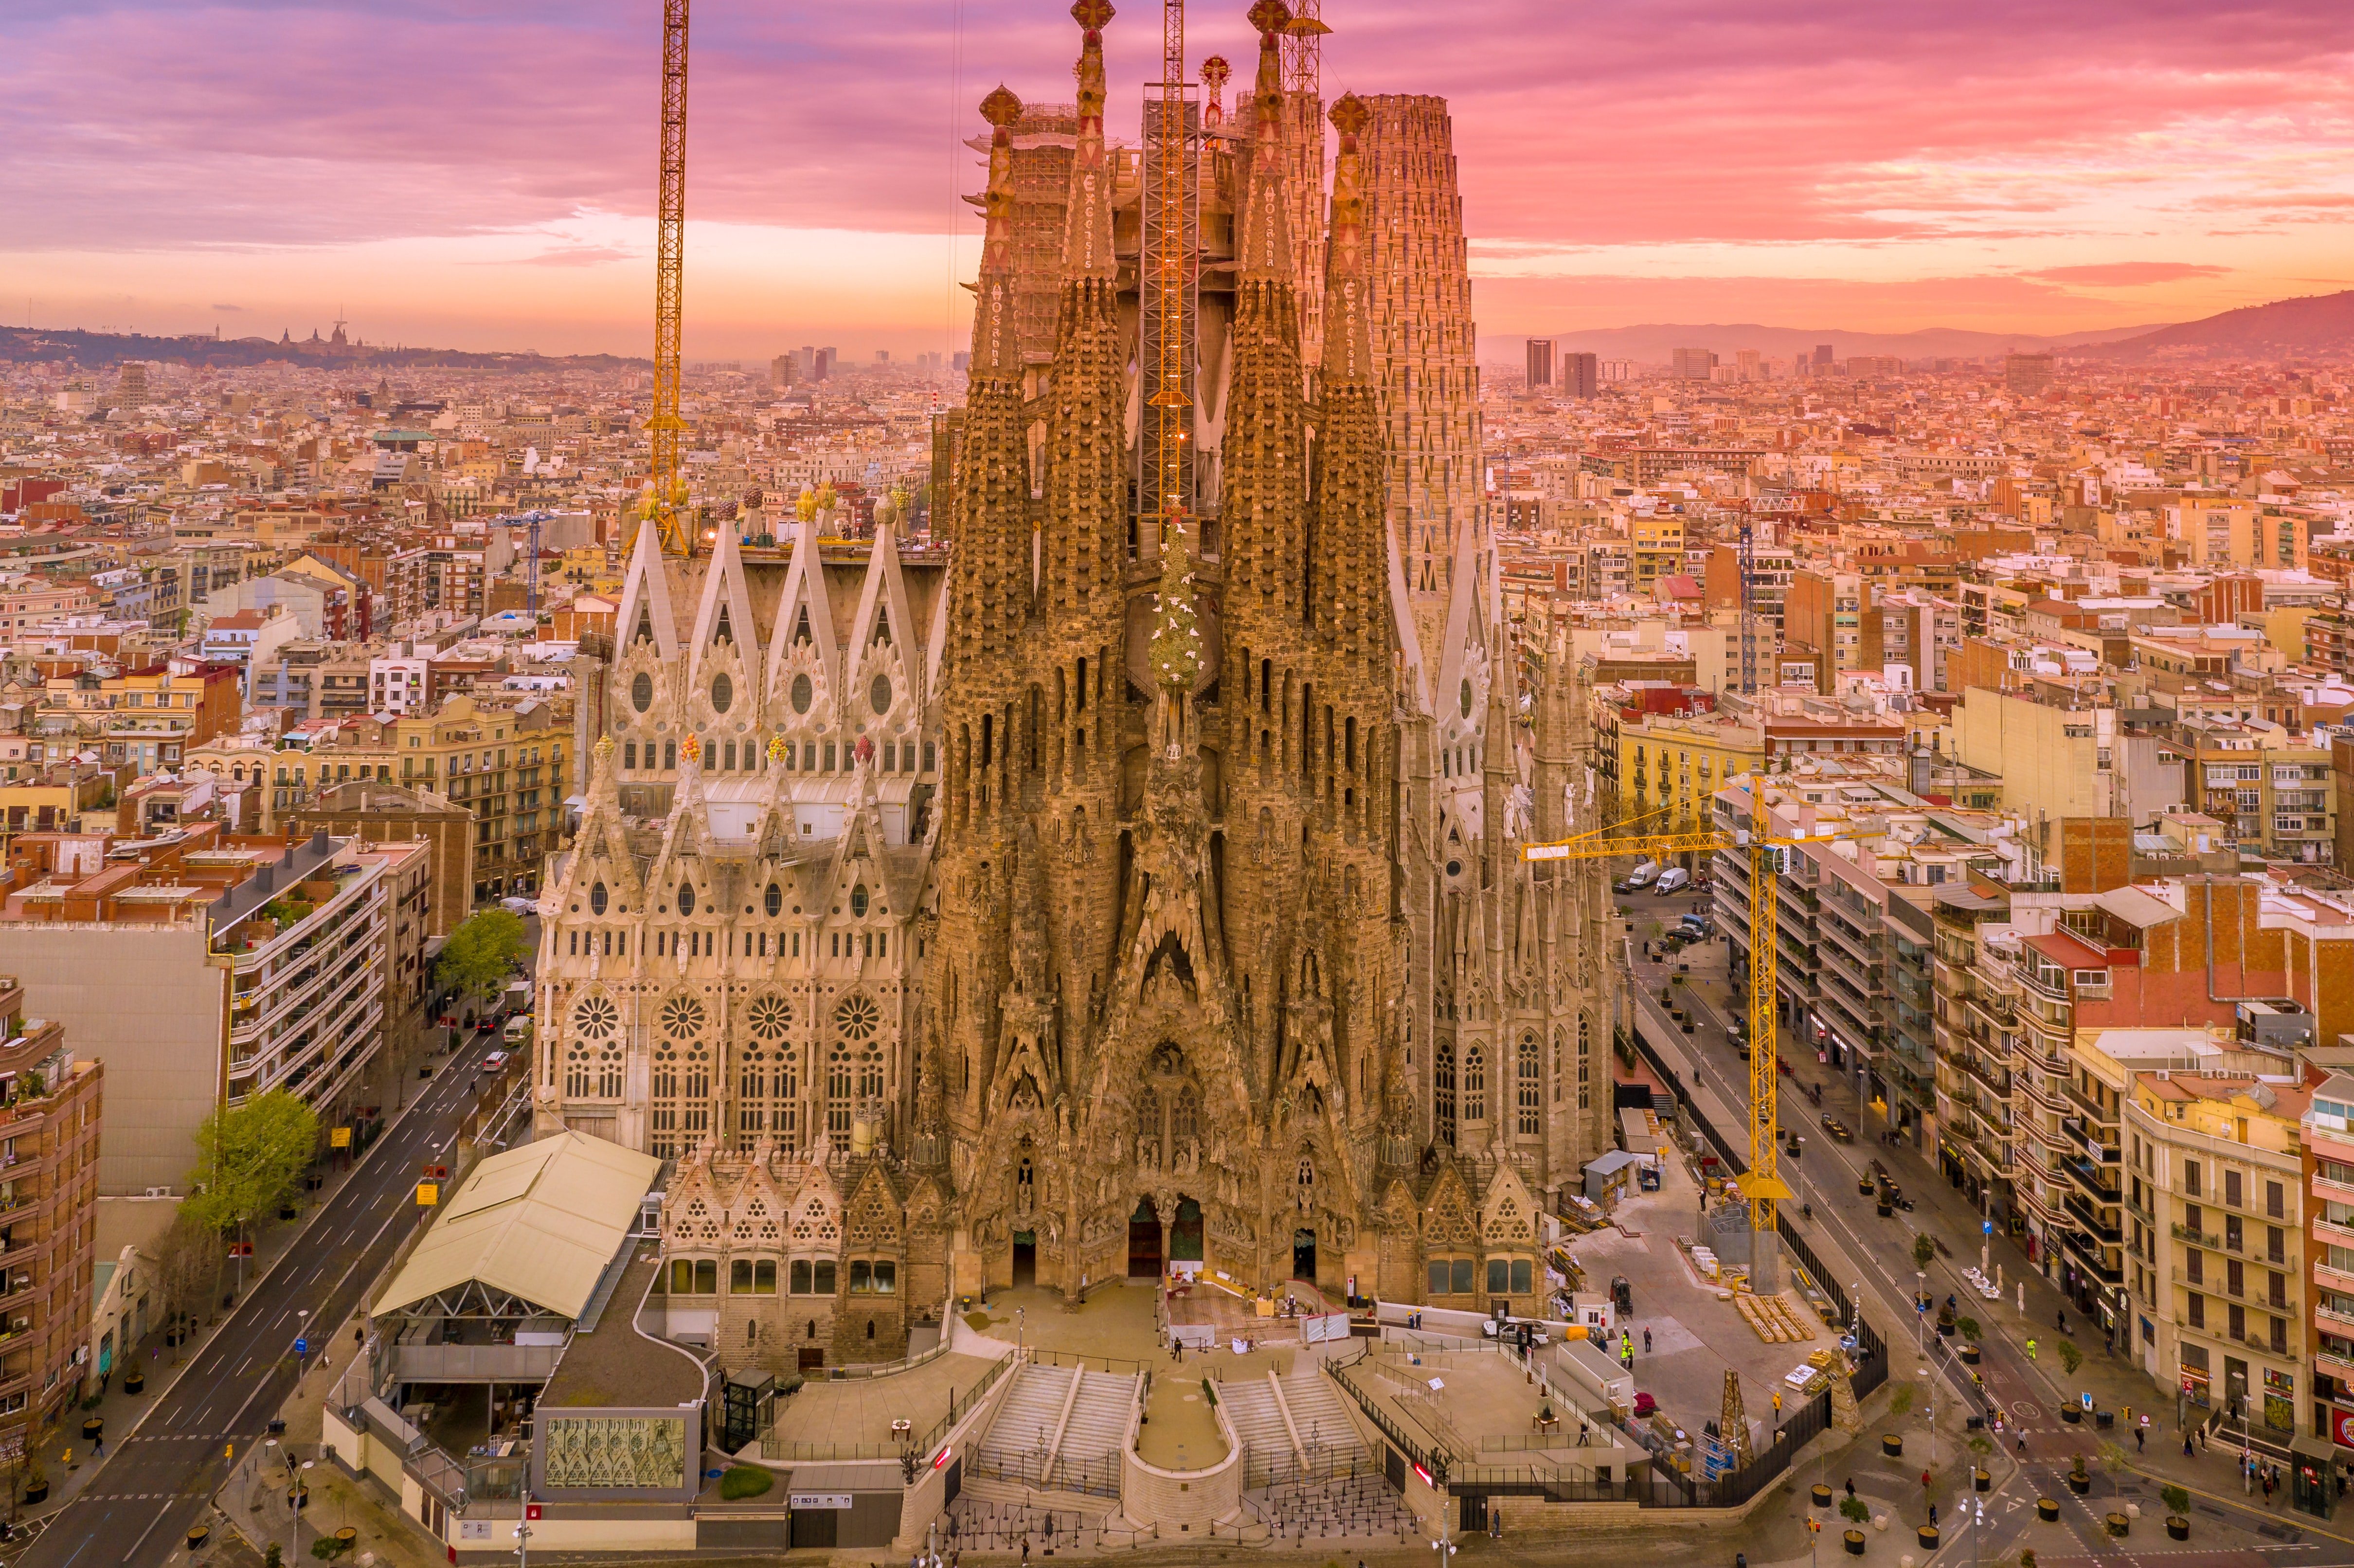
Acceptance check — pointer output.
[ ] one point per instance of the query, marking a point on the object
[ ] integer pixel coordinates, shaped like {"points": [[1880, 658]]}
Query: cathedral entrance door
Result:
{"points": [[1025, 1257], [1144, 1242], [1303, 1256], [1185, 1234]]}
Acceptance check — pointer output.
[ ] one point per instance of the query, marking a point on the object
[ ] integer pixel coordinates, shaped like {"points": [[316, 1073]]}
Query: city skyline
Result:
{"points": [[488, 183]]}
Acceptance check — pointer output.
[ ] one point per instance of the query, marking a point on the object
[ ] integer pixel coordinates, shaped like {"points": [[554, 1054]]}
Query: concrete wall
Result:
{"points": [[1182, 1503], [144, 1000]]}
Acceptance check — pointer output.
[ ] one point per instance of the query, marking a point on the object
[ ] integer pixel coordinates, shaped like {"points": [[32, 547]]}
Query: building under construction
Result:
{"points": [[1142, 892]]}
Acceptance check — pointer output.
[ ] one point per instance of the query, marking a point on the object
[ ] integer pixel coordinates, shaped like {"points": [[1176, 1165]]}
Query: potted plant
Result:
{"points": [[133, 1380], [1968, 1346], [2178, 1510], [2080, 1480], [34, 1477]]}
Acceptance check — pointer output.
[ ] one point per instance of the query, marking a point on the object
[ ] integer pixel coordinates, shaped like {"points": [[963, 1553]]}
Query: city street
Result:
{"points": [[1874, 1256], [155, 1478]]}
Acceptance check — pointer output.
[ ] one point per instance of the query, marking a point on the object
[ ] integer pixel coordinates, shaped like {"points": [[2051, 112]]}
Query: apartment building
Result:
{"points": [[51, 1109], [262, 964], [2277, 790], [2216, 1195]]}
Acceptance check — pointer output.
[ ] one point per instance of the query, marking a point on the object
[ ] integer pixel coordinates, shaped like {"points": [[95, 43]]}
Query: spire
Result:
{"points": [[996, 351], [1265, 250], [1214, 72], [1348, 358], [1351, 569], [1086, 233]]}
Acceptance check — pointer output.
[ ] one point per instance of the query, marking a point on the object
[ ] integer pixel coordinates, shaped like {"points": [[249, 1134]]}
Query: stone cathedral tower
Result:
{"points": [[1112, 902]]}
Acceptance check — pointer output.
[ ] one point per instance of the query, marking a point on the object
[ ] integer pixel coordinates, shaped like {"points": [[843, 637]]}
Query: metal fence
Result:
{"points": [[1094, 1474], [1433, 1460]]}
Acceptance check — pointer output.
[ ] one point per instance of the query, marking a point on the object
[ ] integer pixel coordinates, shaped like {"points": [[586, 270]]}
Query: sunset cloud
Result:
{"points": [[1914, 151]]}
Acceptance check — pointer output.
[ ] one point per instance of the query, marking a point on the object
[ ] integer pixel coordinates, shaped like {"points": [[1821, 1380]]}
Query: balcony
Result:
{"points": [[2198, 1238], [2335, 1278], [2094, 1112], [2084, 1214], [2340, 1191], [2247, 1292], [2091, 1259], [2339, 1323]]}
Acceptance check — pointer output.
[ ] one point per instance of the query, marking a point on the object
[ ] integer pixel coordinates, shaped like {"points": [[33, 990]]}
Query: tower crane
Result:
{"points": [[1762, 1184], [665, 496]]}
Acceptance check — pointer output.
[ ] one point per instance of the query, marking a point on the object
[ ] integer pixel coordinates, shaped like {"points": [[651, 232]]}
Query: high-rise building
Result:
{"points": [[1540, 363], [1693, 364], [1012, 924], [1581, 375], [131, 385], [1823, 355], [49, 1221], [2027, 373]]}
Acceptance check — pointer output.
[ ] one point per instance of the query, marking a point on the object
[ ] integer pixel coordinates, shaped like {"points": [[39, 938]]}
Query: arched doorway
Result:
{"points": [[1303, 1255], [1185, 1234], [1025, 1257], [1144, 1242]]}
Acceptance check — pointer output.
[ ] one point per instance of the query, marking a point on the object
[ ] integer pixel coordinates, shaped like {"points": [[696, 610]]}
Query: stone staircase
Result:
{"points": [[1032, 1409], [1318, 1415], [1098, 1417], [1258, 1420]]}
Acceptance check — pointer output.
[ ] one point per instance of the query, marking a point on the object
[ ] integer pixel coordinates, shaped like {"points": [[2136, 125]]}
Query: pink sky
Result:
{"points": [[481, 177]]}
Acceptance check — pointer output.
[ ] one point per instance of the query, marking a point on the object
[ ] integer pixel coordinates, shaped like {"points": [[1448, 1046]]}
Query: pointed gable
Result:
{"points": [[727, 608], [645, 611]]}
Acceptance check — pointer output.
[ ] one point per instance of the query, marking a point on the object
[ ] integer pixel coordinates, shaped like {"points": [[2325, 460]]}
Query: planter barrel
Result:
{"points": [[2079, 1483], [1927, 1536], [2071, 1415], [1853, 1541], [197, 1535], [1864, 1186], [2117, 1524], [2176, 1527], [1982, 1480], [2047, 1510], [37, 1493], [1892, 1444], [134, 1382], [1969, 1354], [1885, 1209], [1823, 1495]]}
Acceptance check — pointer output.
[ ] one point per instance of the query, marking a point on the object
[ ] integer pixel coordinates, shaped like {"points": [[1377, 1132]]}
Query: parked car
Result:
{"points": [[1640, 877], [1673, 881]]}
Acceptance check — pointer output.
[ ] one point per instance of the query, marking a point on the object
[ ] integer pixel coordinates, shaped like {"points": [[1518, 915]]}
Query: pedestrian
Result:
{"points": [[2139, 1432], [100, 1451], [1924, 1480], [1025, 1552], [1932, 1513], [1851, 1486], [2030, 1347], [2202, 1440], [1647, 1342], [2186, 1445]]}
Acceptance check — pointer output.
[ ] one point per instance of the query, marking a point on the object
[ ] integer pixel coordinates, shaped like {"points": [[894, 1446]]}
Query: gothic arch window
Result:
{"points": [[1148, 1116], [1442, 1093], [1475, 1085], [1530, 1092], [774, 901], [722, 692], [687, 898], [1585, 1040], [596, 900], [1185, 1120], [837, 1091]]}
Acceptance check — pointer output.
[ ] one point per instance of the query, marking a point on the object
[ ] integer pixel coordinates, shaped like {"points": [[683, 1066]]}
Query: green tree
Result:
{"points": [[2070, 1356], [1924, 1251], [481, 953], [249, 1159]]}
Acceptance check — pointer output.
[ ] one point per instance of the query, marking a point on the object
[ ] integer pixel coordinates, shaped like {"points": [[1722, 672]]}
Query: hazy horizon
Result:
{"points": [[471, 183]]}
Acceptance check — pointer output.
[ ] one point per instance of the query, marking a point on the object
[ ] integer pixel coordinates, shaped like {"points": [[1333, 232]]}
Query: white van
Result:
{"points": [[1673, 880], [1640, 877]]}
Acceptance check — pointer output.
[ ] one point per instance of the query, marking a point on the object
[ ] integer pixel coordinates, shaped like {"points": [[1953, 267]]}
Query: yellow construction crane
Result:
{"points": [[665, 502], [1762, 1184]]}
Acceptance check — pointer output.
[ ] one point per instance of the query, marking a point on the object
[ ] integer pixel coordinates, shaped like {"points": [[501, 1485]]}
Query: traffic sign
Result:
{"points": [[427, 1195], [302, 1347]]}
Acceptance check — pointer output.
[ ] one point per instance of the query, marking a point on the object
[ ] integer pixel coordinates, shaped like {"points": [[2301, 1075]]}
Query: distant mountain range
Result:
{"points": [[75, 347], [2313, 326], [1656, 343]]}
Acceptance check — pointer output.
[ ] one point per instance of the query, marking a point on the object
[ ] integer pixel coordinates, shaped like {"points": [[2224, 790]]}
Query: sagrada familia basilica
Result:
{"points": [[1135, 883]]}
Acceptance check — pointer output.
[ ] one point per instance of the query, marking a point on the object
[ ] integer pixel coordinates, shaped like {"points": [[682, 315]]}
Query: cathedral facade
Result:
{"points": [[1133, 893]]}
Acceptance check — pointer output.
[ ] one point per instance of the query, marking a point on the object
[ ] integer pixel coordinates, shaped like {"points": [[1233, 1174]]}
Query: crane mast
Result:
{"points": [[666, 497]]}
